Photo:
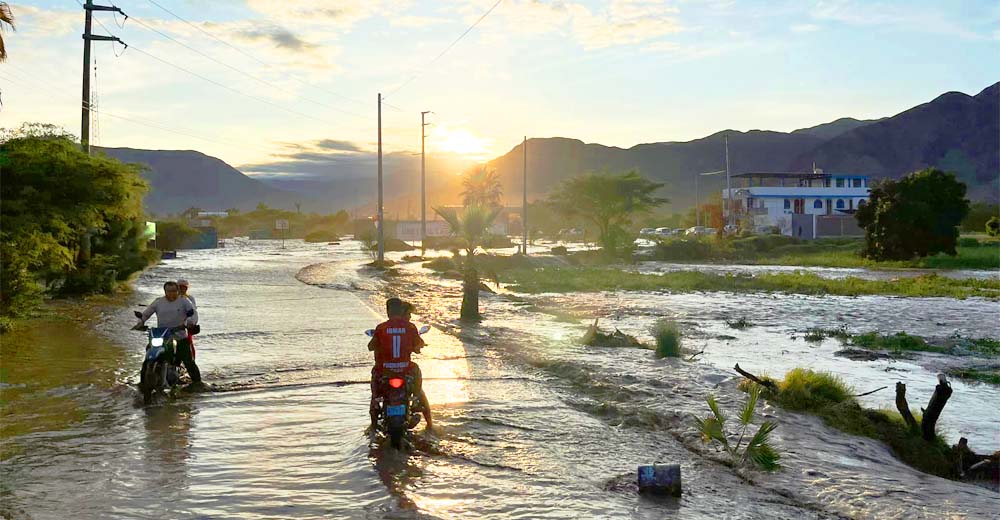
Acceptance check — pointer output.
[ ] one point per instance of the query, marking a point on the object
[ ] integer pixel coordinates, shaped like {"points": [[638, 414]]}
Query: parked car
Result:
{"points": [[695, 231], [711, 231], [646, 231], [663, 231]]}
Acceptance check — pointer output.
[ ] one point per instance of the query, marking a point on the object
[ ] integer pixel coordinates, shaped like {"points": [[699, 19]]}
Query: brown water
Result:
{"points": [[530, 425]]}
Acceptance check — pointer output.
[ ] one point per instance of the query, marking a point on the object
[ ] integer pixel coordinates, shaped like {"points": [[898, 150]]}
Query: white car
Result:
{"points": [[663, 231], [646, 231], [695, 231]]}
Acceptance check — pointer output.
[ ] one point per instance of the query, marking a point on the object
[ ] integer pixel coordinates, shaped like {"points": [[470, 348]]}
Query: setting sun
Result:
{"points": [[458, 141]]}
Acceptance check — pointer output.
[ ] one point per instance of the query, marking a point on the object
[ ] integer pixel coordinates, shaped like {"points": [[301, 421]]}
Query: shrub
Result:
{"points": [[993, 227], [321, 235], [899, 341], [968, 242], [668, 338], [441, 264], [804, 389]]}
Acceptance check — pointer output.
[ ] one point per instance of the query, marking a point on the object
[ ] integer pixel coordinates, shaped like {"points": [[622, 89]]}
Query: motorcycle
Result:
{"points": [[398, 403], [160, 374]]}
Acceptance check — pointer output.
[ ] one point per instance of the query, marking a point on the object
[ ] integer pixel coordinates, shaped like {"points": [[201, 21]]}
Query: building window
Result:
{"points": [[818, 204], [788, 204], [840, 183], [857, 183], [840, 203], [826, 183]]}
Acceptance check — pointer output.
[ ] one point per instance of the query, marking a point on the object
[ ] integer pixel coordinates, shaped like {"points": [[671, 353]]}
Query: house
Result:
{"points": [[806, 205]]}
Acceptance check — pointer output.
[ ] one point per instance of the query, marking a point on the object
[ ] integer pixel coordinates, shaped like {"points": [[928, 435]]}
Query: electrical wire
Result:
{"points": [[241, 71], [251, 56], [446, 49]]}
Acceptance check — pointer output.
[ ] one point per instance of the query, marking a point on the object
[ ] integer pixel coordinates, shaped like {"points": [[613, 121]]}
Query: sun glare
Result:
{"points": [[459, 141]]}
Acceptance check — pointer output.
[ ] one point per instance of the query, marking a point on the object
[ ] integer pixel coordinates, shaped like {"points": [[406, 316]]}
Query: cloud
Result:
{"points": [[805, 28], [415, 21], [278, 36], [900, 16], [344, 146], [34, 21]]}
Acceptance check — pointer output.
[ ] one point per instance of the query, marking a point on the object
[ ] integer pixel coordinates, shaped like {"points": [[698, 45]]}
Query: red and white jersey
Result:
{"points": [[397, 339]]}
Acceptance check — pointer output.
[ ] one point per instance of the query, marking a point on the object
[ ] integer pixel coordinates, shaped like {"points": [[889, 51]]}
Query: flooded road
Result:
{"points": [[529, 423]]}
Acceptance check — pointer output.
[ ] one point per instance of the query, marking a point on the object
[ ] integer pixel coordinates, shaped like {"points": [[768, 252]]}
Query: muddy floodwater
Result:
{"points": [[530, 424]]}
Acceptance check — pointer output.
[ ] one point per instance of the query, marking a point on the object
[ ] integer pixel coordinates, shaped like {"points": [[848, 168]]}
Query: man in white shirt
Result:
{"points": [[173, 311]]}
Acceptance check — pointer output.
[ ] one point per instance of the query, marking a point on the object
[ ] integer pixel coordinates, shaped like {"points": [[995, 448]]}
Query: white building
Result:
{"points": [[793, 201]]}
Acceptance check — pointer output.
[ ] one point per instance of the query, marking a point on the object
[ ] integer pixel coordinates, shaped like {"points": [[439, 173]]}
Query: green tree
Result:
{"points": [[482, 188], [72, 223], [993, 227], [172, 235], [472, 227], [917, 215], [609, 201]]}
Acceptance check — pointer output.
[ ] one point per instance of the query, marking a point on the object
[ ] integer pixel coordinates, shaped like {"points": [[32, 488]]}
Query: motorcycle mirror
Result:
{"points": [[424, 329], [370, 333], [138, 314]]}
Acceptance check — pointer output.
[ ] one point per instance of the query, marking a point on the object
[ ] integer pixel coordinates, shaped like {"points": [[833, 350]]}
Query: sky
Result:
{"points": [[288, 88]]}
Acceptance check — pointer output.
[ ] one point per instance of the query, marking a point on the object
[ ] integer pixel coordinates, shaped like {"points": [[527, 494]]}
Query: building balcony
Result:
{"points": [[796, 192]]}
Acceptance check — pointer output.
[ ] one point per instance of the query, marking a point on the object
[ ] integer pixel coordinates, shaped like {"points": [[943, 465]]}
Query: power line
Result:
{"points": [[248, 55], [241, 71], [446, 49]]}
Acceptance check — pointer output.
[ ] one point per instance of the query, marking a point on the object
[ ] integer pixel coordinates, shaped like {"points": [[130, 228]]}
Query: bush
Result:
{"points": [[968, 242], [668, 338], [321, 235], [804, 389], [899, 341], [685, 249], [173, 235], [993, 227]]}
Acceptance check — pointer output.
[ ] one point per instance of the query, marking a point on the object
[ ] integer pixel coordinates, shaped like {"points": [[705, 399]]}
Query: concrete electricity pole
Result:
{"points": [[88, 9], [381, 220], [423, 185]]}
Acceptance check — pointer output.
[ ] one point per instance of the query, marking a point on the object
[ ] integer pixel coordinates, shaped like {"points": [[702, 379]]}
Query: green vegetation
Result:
{"points": [[983, 375], [826, 252], [261, 220], [993, 227], [980, 213], [173, 235], [72, 224], [814, 335], [609, 202], [988, 346], [322, 235], [827, 397], [561, 279], [756, 451], [917, 215], [898, 342], [741, 323], [668, 338]]}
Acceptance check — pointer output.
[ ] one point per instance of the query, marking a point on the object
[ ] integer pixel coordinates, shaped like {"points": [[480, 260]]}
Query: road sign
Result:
{"points": [[281, 224]]}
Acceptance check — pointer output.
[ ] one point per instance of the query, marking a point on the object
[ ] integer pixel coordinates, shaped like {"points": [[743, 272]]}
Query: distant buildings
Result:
{"points": [[805, 205]]}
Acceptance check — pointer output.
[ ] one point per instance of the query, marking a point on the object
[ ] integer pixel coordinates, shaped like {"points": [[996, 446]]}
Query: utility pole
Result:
{"points": [[381, 221], [88, 9], [729, 194], [524, 213], [697, 202], [423, 185]]}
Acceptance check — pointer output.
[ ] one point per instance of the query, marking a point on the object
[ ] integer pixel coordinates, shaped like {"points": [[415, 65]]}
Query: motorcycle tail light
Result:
{"points": [[396, 382]]}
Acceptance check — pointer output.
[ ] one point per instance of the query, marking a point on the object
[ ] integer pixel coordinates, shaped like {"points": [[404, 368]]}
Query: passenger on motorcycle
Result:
{"points": [[393, 342], [425, 405], [172, 311], [182, 287]]}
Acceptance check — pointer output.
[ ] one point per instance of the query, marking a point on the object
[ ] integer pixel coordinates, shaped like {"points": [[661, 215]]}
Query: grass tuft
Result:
{"points": [[668, 338]]}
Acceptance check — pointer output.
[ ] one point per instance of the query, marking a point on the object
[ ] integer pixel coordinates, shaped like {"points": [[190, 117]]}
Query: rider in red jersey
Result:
{"points": [[393, 342]]}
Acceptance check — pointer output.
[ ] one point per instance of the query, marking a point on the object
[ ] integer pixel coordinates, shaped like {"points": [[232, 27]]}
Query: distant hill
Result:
{"points": [[180, 179], [954, 132], [835, 128]]}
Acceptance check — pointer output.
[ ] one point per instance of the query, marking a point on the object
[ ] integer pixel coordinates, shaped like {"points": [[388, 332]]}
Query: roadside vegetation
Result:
{"points": [[828, 397], [757, 450], [668, 338], [901, 342], [562, 279], [73, 224]]}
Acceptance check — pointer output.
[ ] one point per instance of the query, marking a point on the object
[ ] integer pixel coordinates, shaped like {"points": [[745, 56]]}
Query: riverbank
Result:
{"points": [[593, 279]]}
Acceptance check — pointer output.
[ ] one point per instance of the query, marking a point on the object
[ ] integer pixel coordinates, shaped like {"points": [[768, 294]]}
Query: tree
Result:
{"points": [[993, 227], [482, 188], [609, 201], [472, 228], [72, 223], [917, 215], [6, 20]]}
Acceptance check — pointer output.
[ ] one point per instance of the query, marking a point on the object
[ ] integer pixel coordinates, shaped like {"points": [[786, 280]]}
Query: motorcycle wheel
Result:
{"points": [[396, 428], [148, 384]]}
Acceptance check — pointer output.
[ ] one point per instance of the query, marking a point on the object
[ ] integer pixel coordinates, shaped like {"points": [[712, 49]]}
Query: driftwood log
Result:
{"points": [[940, 397], [763, 382], [903, 406]]}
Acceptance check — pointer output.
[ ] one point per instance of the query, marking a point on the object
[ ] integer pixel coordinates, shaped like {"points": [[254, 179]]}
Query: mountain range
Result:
{"points": [[955, 131]]}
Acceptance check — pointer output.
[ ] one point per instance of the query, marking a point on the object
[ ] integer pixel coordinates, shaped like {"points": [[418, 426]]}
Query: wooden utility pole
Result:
{"points": [[423, 185], [88, 9], [381, 221], [524, 212]]}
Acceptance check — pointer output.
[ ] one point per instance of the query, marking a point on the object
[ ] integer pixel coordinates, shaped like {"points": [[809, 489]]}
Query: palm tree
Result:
{"points": [[482, 188], [6, 19], [472, 227]]}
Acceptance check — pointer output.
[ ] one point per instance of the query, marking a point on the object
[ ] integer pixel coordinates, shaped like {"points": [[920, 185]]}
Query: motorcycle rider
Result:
{"points": [[393, 342], [172, 311], [425, 405]]}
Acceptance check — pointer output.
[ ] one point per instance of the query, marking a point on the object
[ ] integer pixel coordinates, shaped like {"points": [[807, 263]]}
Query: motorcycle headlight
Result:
{"points": [[156, 342]]}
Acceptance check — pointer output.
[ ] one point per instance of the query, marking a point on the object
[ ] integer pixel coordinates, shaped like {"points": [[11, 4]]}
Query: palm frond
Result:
{"points": [[753, 394], [711, 430], [764, 457], [760, 438], [715, 409]]}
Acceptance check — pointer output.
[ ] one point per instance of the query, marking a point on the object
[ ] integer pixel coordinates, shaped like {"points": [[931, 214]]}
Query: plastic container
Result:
{"points": [[660, 479]]}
